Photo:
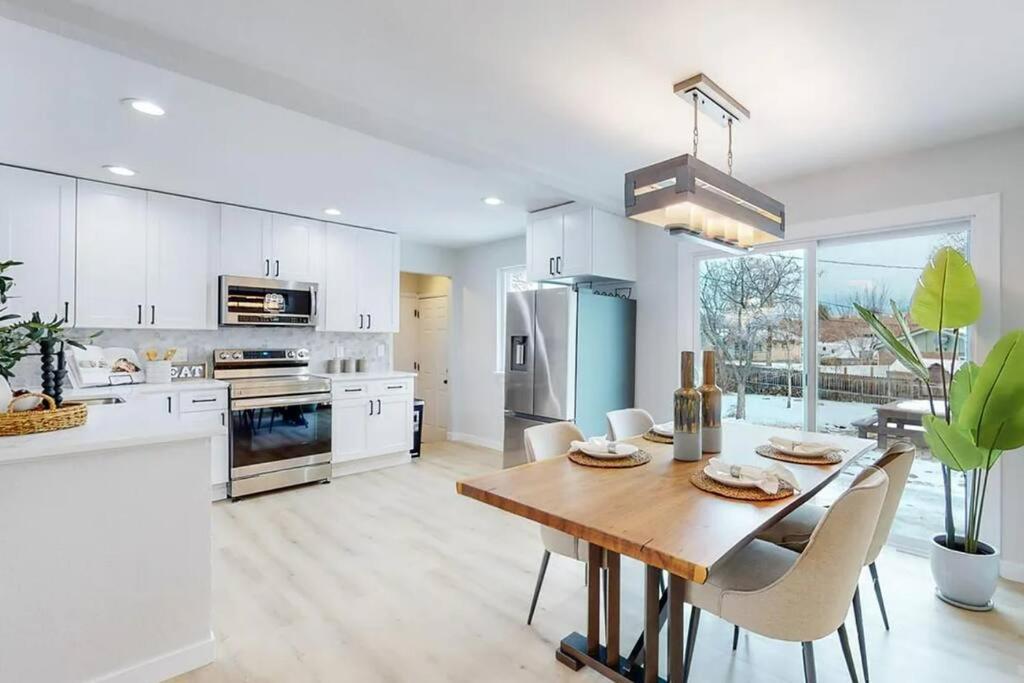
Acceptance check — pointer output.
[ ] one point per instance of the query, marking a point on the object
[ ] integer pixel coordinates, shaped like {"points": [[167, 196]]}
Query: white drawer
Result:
{"points": [[391, 387], [342, 390], [202, 401]]}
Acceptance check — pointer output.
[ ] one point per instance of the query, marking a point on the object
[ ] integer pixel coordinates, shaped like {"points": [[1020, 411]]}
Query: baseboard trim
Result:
{"points": [[167, 665], [218, 492], [474, 440], [346, 467], [1012, 571]]}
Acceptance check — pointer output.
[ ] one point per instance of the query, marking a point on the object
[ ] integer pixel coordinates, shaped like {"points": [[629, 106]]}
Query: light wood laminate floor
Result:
{"points": [[391, 576]]}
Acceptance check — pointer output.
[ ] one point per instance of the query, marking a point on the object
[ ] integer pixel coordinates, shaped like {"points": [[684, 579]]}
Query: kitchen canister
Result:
{"points": [[349, 365], [158, 371], [362, 365], [334, 366]]}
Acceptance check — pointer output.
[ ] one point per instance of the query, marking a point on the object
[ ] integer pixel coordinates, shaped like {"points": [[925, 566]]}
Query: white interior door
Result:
{"points": [[433, 355]]}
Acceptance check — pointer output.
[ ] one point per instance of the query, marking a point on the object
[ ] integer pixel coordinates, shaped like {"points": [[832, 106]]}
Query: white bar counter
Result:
{"points": [[105, 551]]}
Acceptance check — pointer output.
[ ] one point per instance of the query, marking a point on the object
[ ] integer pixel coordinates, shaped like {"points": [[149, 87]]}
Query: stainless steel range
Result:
{"points": [[280, 419]]}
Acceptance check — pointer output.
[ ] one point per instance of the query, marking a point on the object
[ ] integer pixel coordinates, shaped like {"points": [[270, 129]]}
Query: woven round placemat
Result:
{"points": [[767, 451], [641, 457], [654, 436], [706, 483]]}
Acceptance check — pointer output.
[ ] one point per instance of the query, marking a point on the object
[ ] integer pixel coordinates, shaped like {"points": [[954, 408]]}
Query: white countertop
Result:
{"points": [[363, 376], [108, 427], [125, 390]]}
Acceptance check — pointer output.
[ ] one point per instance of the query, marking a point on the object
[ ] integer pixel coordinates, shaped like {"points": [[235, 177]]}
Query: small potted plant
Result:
{"points": [[980, 416], [13, 344]]}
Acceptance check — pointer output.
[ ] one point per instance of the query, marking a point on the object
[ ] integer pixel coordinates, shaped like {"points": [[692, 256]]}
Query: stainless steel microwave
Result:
{"points": [[267, 302]]}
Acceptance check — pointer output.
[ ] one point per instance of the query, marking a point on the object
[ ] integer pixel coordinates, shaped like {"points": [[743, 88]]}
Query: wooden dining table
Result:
{"points": [[654, 514]]}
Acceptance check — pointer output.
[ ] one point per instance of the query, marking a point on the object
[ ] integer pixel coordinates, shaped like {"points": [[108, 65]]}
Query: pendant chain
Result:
{"points": [[729, 156], [696, 134]]}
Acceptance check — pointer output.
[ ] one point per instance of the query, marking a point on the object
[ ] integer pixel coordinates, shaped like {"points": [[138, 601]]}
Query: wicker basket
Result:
{"points": [[34, 421]]}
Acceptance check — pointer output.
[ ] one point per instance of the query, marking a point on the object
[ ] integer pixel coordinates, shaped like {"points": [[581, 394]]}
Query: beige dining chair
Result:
{"points": [[794, 531], [797, 597], [543, 442], [628, 422]]}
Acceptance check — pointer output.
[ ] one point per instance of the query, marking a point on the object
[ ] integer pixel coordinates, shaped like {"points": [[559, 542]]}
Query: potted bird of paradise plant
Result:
{"points": [[980, 416]]}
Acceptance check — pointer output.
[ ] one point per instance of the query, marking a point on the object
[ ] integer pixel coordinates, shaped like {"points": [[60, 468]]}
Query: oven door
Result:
{"points": [[282, 432]]}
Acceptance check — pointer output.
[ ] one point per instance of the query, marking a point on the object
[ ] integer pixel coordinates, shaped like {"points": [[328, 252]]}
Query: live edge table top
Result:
{"points": [[652, 512]]}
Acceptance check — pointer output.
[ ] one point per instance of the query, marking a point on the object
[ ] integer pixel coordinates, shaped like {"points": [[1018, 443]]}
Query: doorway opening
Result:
{"points": [[421, 346]]}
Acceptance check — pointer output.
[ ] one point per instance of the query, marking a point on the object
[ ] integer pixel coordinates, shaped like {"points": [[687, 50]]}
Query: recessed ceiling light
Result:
{"points": [[119, 170], [144, 106], [332, 212], [492, 201]]}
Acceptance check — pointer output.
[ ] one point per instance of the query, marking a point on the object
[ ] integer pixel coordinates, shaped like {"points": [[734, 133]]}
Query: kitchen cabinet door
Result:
{"points": [[37, 227], [389, 429], [244, 242], [377, 281], [544, 245], [349, 419], [339, 296], [218, 443], [180, 238], [296, 246], [111, 256], [577, 243]]}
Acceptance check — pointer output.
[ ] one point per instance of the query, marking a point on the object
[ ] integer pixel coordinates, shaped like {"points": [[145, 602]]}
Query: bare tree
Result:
{"points": [[742, 302], [874, 297]]}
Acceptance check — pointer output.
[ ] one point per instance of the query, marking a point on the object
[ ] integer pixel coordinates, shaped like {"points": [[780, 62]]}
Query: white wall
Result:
{"points": [[427, 259], [658, 291], [986, 165]]}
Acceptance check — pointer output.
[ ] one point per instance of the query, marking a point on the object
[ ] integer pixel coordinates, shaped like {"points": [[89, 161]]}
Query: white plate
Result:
{"points": [[664, 429], [728, 479], [622, 450], [801, 454]]}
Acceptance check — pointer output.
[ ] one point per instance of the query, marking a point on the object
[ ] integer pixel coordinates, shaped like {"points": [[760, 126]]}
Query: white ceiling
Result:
{"points": [[534, 100]]}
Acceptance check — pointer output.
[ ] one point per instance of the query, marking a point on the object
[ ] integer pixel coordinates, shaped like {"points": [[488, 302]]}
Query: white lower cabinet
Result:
{"points": [[218, 444], [370, 419]]}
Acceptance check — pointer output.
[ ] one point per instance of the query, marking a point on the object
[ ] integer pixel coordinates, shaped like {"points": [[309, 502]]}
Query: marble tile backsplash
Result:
{"points": [[199, 345]]}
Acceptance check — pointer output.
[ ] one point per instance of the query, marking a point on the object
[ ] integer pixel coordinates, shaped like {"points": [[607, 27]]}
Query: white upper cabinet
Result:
{"points": [[181, 239], [573, 243], [243, 234], [296, 248], [144, 259], [37, 227], [361, 280], [111, 248]]}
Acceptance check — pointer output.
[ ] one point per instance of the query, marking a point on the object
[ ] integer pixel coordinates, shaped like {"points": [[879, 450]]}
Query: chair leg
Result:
{"points": [[810, 675], [878, 594], [691, 640], [858, 616], [604, 597], [844, 640], [735, 637], [540, 582]]}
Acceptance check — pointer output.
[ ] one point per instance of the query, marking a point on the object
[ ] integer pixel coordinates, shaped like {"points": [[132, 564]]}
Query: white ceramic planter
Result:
{"points": [[964, 580], [5, 395]]}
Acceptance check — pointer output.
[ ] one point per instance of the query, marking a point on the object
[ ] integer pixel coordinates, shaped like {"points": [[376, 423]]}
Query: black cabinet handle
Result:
{"points": [[152, 315], [277, 268], [168, 404], [223, 420], [266, 267], [369, 321], [396, 386], [551, 266], [360, 321], [558, 265], [353, 390], [378, 406], [67, 307], [371, 406], [140, 314], [204, 400]]}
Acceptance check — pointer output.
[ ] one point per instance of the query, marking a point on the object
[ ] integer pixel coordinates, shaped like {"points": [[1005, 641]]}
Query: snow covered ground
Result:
{"points": [[921, 510]]}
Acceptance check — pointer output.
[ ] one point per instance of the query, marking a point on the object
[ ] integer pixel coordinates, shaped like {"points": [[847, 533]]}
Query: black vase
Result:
{"points": [[52, 375]]}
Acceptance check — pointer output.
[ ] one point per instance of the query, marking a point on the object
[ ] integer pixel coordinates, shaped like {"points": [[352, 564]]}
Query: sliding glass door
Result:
{"points": [[751, 312]]}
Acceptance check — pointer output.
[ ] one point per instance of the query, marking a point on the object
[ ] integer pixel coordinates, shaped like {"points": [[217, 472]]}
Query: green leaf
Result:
{"points": [[960, 388], [905, 328], [994, 410], [885, 335], [947, 295], [953, 446]]}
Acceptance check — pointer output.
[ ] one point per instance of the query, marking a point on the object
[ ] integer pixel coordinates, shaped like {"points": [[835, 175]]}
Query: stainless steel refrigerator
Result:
{"points": [[569, 356]]}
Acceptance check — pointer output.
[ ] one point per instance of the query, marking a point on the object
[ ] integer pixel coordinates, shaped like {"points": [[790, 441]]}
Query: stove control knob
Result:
{"points": [[224, 355], [303, 353], [290, 354], [237, 355]]}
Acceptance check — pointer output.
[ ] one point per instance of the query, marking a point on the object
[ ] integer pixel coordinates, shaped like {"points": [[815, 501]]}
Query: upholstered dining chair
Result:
{"points": [[794, 531], [628, 422], [543, 442], [797, 597]]}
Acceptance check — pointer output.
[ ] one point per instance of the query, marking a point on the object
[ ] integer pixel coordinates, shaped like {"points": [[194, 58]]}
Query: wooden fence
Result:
{"points": [[832, 386]]}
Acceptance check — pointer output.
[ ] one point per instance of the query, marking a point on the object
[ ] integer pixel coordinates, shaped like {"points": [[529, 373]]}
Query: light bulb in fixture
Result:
{"points": [[492, 201], [332, 212], [147, 107], [119, 170]]}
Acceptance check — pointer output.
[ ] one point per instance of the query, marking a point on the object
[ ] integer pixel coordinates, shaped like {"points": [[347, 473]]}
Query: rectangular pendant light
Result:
{"points": [[690, 198]]}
